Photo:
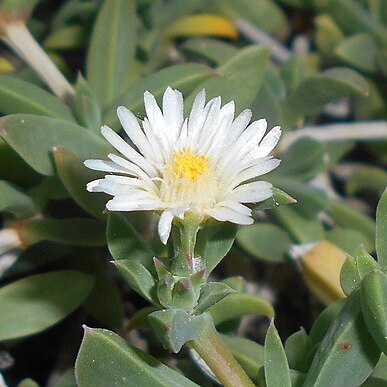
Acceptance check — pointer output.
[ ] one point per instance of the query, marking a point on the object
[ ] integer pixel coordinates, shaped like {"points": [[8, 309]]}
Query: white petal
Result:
{"points": [[269, 142], [239, 125], [173, 111], [235, 206], [104, 166], [132, 128], [196, 117], [111, 187], [251, 192], [225, 214], [165, 225], [260, 168], [134, 202], [124, 148], [156, 119]]}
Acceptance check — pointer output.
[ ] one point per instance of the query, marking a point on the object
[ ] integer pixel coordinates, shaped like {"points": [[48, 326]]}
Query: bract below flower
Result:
{"points": [[202, 165]]}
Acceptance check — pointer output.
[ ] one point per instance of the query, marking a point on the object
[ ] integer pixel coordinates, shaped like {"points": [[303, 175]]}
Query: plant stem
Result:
{"points": [[17, 36], [219, 358]]}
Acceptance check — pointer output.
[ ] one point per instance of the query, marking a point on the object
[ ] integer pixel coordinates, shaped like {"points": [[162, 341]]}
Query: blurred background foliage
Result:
{"points": [[318, 68]]}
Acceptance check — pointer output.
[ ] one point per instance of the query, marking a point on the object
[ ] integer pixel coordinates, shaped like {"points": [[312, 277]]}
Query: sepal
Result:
{"points": [[174, 327]]}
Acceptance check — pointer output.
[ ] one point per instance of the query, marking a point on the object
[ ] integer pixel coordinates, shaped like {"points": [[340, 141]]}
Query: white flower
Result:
{"points": [[178, 166]]}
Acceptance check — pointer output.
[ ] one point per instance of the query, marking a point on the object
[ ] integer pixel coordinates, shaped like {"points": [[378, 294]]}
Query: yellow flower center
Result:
{"points": [[188, 165]]}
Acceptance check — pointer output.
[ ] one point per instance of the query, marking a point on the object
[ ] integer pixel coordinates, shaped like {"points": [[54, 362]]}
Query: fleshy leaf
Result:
{"points": [[374, 305], [18, 96], [35, 303], [13, 200], [35, 137], [106, 359], [264, 241], [276, 365], [346, 349], [112, 48]]}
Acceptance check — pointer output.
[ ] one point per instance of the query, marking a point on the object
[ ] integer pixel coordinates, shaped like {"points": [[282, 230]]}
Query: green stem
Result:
{"points": [[219, 358]]}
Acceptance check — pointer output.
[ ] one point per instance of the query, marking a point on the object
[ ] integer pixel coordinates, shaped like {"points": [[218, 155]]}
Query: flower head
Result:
{"points": [[204, 165]]}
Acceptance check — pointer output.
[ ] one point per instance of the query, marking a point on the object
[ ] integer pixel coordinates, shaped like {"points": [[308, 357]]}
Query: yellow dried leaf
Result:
{"points": [[202, 24], [5, 66], [320, 267]]}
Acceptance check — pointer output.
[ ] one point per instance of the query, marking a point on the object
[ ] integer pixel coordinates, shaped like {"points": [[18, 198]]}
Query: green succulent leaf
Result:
{"points": [[14, 201], [213, 50], [263, 13], [86, 106], [105, 359], [297, 349], [332, 84], [139, 278], [359, 51], [35, 303], [237, 305], [347, 216], [184, 77], [346, 349], [381, 231], [18, 96], [214, 242], [310, 200], [174, 327], [279, 198], [304, 159], [245, 68], [72, 231], [349, 276], [328, 34], [248, 353], [277, 371], [35, 137], [264, 241], [211, 293], [66, 38], [74, 176], [374, 306], [347, 239], [125, 242], [301, 229], [112, 48], [351, 16]]}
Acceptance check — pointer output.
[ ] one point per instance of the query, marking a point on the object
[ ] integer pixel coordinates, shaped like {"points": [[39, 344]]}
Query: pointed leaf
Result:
{"points": [[74, 176], [138, 278], [276, 365], [333, 84], [72, 231], [126, 243], [264, 241], [112, 48], [248, 353], [18, 96], [211, 293], [106, 359], [214, 242], [183, 77], [246, 68], [34, 137], [237, 305], [15, 201], [35, 303], [374, 305], [381, 231], [346, 349]]}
